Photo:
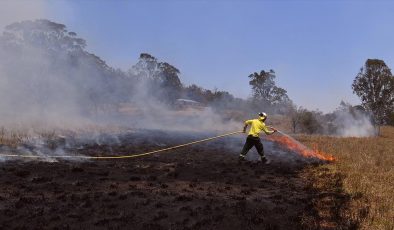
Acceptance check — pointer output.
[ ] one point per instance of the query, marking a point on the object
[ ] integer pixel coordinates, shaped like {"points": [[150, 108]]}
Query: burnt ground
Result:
{"points": [[199, 187]]}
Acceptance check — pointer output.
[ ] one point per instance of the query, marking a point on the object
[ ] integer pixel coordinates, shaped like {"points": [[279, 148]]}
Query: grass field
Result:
{"points": [[358, 189]]}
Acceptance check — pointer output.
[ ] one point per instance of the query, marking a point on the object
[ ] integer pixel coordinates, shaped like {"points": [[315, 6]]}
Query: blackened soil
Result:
{"points": [[191, 188]]}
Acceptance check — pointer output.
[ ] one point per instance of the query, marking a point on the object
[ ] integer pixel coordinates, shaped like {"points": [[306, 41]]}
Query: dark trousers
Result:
{"points": [[250, 142]]}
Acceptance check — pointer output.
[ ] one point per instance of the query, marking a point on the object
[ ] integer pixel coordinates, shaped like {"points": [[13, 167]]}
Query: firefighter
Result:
{"points": [[253, 139]]}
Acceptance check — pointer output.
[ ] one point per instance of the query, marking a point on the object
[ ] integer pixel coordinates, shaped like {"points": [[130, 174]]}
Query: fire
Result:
{"points": [[299, 148]]}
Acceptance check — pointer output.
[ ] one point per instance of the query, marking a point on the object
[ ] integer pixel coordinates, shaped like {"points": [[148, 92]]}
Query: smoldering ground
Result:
{"points": [[197, 187], [138, 141]]}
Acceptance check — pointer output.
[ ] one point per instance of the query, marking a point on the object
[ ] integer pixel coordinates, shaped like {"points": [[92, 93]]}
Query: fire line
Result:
{"points": [[292, 144], [284, 140]]}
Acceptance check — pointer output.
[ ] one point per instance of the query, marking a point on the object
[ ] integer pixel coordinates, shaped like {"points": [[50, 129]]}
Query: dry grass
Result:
{"points": [[12, 138], [364, 171]]}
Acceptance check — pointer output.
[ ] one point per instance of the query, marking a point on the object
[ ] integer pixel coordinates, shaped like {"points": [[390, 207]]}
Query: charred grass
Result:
{"points": [[355, 192]]}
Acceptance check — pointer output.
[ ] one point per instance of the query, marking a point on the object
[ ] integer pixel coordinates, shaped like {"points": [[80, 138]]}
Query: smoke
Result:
{"points": [[33, 95], [145, 110], [351, 121], [18, 10], [10, 12], [49, 83], [63, 99]]}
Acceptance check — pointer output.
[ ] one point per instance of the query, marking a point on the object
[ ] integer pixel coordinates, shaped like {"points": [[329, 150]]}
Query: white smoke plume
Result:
{"points": [[353, 122], [50, 83]]}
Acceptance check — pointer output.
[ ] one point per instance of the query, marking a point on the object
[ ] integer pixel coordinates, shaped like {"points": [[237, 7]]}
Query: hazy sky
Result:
{"points": [[315, 47]]}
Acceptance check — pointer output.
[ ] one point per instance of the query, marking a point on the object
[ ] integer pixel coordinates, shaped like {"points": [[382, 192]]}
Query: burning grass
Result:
{"points": [[363, 170], [293, 145]]}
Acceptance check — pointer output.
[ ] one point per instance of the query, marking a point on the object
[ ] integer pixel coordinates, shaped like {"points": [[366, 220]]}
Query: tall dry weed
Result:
{"points": [[366, 169]]}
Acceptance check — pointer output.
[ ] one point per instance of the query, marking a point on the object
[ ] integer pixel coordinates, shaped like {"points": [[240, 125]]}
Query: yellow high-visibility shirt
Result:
{"points": [[256, 127]]}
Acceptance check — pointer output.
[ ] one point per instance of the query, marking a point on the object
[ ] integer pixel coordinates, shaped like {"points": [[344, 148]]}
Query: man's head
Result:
{"points": [[262, 116]]}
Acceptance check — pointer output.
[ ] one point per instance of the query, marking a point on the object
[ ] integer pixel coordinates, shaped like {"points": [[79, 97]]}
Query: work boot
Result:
{"points": [[265, 161], [241, 159]]}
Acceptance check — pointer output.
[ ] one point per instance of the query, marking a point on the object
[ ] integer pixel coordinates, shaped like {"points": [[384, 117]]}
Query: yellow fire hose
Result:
{"points": [[124, 156]]}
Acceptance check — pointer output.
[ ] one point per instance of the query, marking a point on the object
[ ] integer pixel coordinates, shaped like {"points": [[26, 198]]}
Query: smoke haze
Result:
{"points": [[50, 83], [19, 10], [353, 123], [57, 97]]}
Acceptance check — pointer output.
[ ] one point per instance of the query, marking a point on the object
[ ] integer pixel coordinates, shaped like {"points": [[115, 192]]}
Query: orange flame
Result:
{"points": [[300, 149]]}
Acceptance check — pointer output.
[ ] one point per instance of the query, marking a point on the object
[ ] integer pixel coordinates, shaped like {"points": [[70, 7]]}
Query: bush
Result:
{"points": [[309, 123]]}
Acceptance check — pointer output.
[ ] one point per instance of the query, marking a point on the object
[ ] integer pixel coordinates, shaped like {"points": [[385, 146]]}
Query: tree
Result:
{"points": [[374, 84], [43, 34], [295, 117], [391, 119], [265, 90], [169, 81], [308, 122], [161, 77], [196, 93]]}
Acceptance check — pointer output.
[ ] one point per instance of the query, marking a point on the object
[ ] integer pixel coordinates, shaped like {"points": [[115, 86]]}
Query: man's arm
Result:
{"points": [[246, 125], [269, 132], [273, 129]]}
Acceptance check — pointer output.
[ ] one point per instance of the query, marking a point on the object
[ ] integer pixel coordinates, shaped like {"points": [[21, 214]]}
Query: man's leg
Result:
{"points": [[247, 146], [260, 149]]}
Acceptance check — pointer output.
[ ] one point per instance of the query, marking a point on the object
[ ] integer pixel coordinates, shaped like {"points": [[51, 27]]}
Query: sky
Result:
{"points": [[316, 48]]}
